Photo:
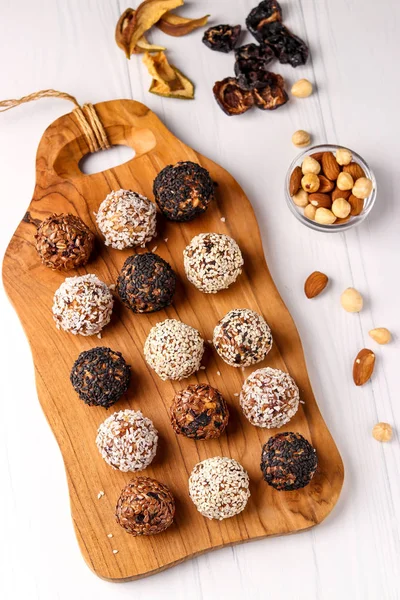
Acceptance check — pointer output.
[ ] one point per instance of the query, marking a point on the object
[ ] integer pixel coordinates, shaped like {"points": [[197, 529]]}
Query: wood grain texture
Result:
{"points": [[61, 187]]}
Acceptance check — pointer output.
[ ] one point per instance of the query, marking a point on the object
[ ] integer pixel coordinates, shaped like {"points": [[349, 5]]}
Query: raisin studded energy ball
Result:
{"points": [[269, 398], [199, 412], [219, 487], [242, 338], [145, 507], [64, 242], [100, 376], [126, 219], [183, 191], [146, 283], [82, 305], [288, 461], [173, 349], [212, 262]]}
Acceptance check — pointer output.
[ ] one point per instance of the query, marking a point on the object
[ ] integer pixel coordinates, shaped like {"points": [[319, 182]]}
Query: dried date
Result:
{"points": [[251, 65], [272, 95], [266, 12], [231, 97], [222, 38]]}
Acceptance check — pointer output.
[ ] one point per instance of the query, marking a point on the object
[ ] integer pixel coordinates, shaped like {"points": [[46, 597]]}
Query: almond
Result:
{"points": [[295, 181], [340, 194], [329, 166], [317, 156], [325, 185], [363, 366], [315, 283], [320, 200], [357, 204], [354, 169], [343, 220]]}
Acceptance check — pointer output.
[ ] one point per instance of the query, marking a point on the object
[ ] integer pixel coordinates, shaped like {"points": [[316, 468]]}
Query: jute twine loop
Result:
{"points": [[86, 116]]}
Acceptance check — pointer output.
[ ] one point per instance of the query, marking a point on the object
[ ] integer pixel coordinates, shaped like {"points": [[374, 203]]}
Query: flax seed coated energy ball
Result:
{"points": [[199, 412], [146, 283], [145, 507], [242, 338], [183, 191]]}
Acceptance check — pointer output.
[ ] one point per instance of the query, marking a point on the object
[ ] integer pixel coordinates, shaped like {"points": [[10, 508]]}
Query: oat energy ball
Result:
{"points": [[82, 305], [64, 242], [145, 507], [183, 191], [146, 283], [127, 440], [219, 487], [199, 412], [126, 219], [269, 398], [242, 338], [212, 261], [173, 349], [288, 461], [100, 376]]}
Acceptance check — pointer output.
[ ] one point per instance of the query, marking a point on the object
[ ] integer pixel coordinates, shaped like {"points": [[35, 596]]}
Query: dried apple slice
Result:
{"points": [[123, 34], [167, 80], [177, 26]]}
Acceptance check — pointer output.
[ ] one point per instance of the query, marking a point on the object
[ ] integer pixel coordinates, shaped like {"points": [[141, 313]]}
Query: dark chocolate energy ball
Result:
{"points": [[146, 283], [288, 461], [183, 191], [199, 412], [100, 376]]}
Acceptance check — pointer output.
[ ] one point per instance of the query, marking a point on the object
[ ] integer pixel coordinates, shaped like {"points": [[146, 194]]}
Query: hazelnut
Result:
{"points": [[324, 216], [301, 198], [302, 89], [341, 208], [381, 335], [351, 300], [344, 181], [310, 211], [301, 138], [310, 165], [343, 156], [310, 182], [362, 187], [382, 432]]}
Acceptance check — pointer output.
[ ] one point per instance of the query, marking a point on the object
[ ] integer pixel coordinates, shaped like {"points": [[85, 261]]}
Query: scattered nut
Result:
{"points": [[302, 88], [320, 200], [310, 183], [315, 283], [295, 181], [310, 165], [309, 212], [341, 208], [343, 156], [324, 216], [351, 300], [382, 432], [301, 138], [344, 181], [300, 199], [362, 188], [357, 204], [363, 366], [381, 335]]}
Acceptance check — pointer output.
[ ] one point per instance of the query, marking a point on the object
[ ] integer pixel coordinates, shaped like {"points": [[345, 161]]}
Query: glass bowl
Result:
{"points": [[340, 227]]}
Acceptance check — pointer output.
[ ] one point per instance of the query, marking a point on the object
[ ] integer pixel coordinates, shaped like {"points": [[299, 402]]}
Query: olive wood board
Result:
{"points": [[62, 187]]}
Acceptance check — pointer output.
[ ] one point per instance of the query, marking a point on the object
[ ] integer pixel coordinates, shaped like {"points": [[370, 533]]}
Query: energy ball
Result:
{"points": [[199, 412], [127, 440], [174, 350], [288, 461], [212, 261], [183, 191], [269, 398], [100, 376], [219, 487], [242, 338], [146, 283], [145, 507], [64, 242], [82, 305], [127, 219]]}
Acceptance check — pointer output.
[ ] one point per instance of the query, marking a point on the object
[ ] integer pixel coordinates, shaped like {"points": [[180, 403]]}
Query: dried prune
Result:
{"points": [[232, 98], [266, 12], [222, 38], [272, 95], [251, 65], [288, 48]]}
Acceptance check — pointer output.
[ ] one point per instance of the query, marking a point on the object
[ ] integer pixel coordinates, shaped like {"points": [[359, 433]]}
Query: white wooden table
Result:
{"points": [[69, 45]]}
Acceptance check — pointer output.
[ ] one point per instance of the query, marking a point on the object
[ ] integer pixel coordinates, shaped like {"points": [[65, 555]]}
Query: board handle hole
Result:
{"points": [[96, 162]]}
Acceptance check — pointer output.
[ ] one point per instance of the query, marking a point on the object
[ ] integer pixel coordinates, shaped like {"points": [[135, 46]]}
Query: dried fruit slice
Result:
{"points": [[222, 38], [186, 92], [272, 95], [232, 98], [177, 26], [122, 36], [251, 65], [266, 12], [167, 80], [288, 48]]}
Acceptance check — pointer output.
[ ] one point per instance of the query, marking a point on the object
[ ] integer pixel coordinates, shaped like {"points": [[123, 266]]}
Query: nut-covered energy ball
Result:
{"points": [[219, 487], [64, 242], [288, 461], [146, 283], [100, 376], [199, 412], [269, 398], [82, 305], [212, 262], [126, 219], [173, 349], [183, 191], [145, 507], [242, 338], [127, 440]]}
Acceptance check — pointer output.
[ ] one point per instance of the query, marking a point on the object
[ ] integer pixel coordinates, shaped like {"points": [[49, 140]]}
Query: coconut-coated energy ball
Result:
{"points": [[242, 338], [183, 191], [199, 412], [212, 262], [146, 283]]}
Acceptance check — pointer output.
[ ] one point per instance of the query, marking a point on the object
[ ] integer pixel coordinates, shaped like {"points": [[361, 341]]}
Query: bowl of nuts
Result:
{"points": [[330, 188]]}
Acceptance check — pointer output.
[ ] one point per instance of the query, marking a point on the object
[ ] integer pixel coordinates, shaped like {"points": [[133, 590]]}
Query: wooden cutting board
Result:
{"points": [[61, 187]]}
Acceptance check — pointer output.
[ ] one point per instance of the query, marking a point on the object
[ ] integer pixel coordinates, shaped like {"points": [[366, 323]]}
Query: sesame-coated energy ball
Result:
{"points": [[219, 487], [288, 461], [199, 412], [127, 440], [146, 283], [82, 305], [212, 261], [145, 507], [269, 398], [126, 219], [183, 191], [242, 338], [100, 376], [173, 349]]}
